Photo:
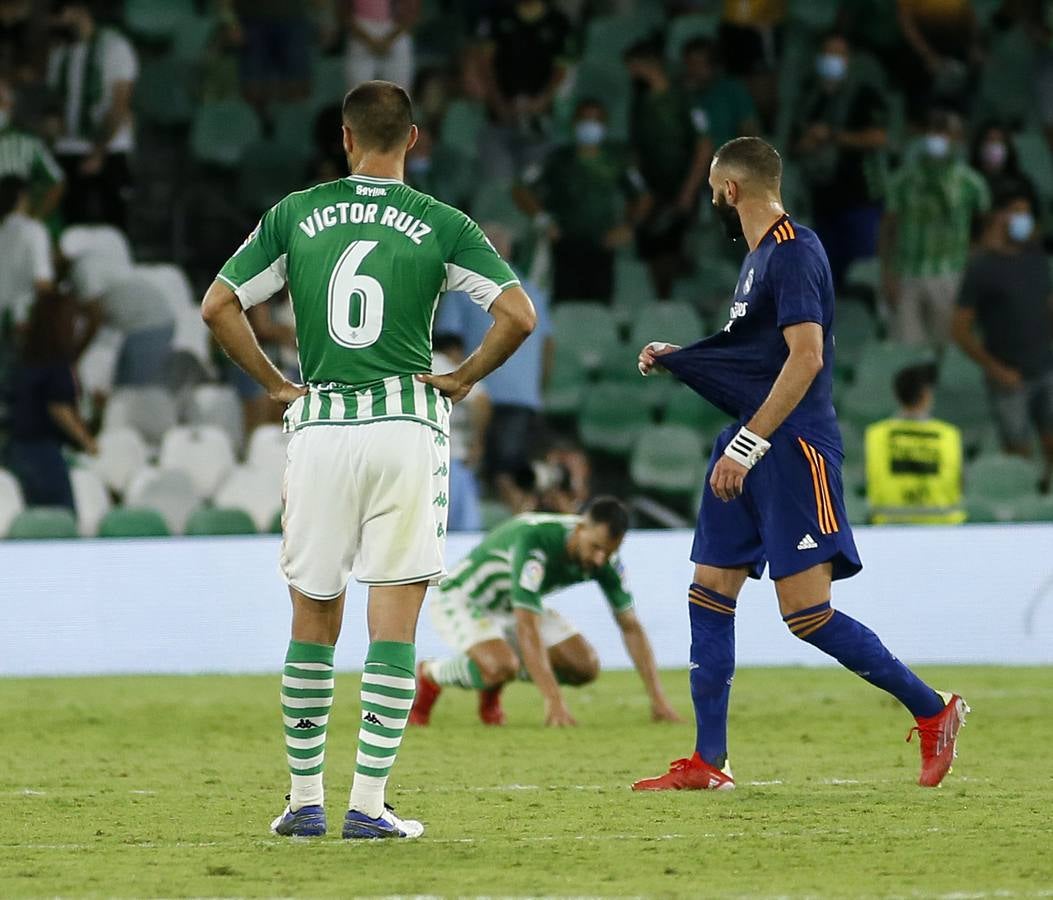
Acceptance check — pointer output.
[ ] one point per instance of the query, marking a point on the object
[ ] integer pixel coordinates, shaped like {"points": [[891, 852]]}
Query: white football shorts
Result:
{"points": [[462, 625], [368, 501]]}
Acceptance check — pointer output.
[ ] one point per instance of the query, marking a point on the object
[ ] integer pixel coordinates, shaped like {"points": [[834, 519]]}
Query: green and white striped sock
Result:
{"points": [[307, 696], [460, 671], [388, 687]]}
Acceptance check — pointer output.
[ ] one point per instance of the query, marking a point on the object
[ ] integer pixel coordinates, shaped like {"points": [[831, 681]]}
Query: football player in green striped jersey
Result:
{"points": [[490, 611], [365, 259]]}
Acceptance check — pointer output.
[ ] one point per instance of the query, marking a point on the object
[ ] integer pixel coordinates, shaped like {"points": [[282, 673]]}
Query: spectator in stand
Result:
{"points": [[724, 99], [994, 157], [26, 264], [931, 206], [380, 40], [469, 423], [142, 319], [524, 61], [587, 198], [840, 147], [23, 40], [672, 151], [750, 37], [93, 69], [44, 413], [515, 388], [913, 461], [942, 39], [275, 40], [1008, 292], [25, 156]]}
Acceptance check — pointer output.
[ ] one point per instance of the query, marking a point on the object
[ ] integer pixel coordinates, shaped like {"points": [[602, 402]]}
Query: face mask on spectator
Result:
{"points": [[729, 216], [831, 67], [994, 154], [937, 146], [1021, 226], [589, 132], [418, 165]]}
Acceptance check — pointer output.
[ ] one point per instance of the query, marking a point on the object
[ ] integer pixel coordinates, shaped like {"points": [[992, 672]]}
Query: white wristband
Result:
{"points": [[747, 448]]}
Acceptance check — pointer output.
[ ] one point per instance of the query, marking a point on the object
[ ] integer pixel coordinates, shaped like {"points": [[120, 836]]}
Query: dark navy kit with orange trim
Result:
{"points": [[791, 514]]}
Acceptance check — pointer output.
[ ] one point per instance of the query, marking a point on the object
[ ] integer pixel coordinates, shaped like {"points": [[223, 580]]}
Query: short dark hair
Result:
{"points": [[1011, 191], [379, 114], [609, 511], [651, 47], [912, 382], [11, 190], [752, 155]]}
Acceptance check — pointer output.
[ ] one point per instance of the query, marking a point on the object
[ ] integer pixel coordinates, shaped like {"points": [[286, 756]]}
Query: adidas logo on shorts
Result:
{"points": [[807, 543]]}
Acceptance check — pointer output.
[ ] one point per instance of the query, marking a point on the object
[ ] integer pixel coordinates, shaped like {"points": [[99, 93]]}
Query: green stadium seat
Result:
{"points": [[606, 80], [157, 19], [711, 287], [669, 458], [1007, 78], [670, 320], [566, 385], [1036, 508], [221, 132], [817, 15], [328, 81], [1036, 161], [613, 416], [871, 396], [979, 510], [276, 523], [854, 328], [163, 92], [266, 173], [132, 522], [461, 125], [1001, 478], [191, 38], [687, 409], [453, 175], [608, 37], [216, 521], [293, 129], [864, 276], [857, 509], [493, 202], [687, 27], [853, 440], [961, 394], [585, 330], [40, 523]]}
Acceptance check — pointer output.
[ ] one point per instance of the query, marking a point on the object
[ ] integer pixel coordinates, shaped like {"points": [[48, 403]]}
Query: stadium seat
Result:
{"points": [[222, 130], [687, 409], [170, 492], [218, 405], [711, 287], [102, 243], [267, 451], [191, 334], [1036, 161], [632, 283], [961, 393], [40, 523], [613, 416], [328, 81], [566, 383], [607, 37], [852, 438], [669, 458], [256, 491], [816, 15], [204, 452], [164, 92], [122, 453], [492, 201], [979, 510], [461, 124], [864, 277], [267, 172], [687, 27], [149, 410], [871, 397], [1007, 80], [609, 80], [586, 331], [1001, 478], [1035, 508], [90, 499], [11, 501], [854, 328], [191, 38], [215, 521], [132, 522], [293, 125], [673, 321], [157, 19], [857, 509]]}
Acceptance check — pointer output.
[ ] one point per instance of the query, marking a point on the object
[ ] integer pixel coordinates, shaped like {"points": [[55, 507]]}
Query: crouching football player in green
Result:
{"points": [[490, 611]]}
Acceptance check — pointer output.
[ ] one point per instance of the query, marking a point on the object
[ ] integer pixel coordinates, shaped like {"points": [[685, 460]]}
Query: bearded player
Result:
{"points": [[491, 611], [365, 259], [773, 494]]}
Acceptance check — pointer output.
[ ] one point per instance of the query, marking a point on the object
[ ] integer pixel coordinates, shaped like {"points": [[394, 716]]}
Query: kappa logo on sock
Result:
{"points": [[371, 718], [305, 723]]}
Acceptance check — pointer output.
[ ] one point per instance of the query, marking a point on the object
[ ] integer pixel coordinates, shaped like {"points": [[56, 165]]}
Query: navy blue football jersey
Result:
{"points": [[785, 281]]}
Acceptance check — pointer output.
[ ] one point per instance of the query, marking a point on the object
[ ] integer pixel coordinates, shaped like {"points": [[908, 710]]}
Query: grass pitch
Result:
{"points": [[147, 787]]}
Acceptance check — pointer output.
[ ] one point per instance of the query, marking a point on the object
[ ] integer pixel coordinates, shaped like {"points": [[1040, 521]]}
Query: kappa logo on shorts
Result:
{"points": [[807, 543]]}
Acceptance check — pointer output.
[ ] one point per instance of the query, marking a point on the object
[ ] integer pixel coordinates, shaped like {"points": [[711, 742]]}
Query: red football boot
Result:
{"points": [[693, 774], [939, 739], [427, 693], [490, 711]]}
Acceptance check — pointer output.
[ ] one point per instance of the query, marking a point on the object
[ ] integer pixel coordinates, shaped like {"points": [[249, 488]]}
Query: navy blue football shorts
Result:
{"points": [[790, 516]]}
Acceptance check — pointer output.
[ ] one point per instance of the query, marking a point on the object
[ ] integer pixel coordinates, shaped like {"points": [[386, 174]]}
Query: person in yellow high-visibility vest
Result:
{"points": [[913, 461]]}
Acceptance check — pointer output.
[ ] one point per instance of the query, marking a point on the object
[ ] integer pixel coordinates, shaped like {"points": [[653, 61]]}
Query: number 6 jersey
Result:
{"points": [[366, 260]]}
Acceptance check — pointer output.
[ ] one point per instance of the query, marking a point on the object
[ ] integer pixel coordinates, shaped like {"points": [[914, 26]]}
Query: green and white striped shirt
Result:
{"points": [[26, 156], [399, 397]]}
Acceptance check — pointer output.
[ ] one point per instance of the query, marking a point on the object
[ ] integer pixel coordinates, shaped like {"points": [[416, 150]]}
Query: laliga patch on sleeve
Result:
{"points": [[532, 575]]}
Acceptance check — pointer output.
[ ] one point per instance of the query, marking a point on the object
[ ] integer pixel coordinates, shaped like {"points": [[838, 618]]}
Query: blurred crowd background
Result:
{"points": [[141, 140]]}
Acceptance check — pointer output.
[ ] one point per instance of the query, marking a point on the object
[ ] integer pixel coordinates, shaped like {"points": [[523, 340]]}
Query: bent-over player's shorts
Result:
{"points": [[462, 625], [367, 500], [791, 514]]}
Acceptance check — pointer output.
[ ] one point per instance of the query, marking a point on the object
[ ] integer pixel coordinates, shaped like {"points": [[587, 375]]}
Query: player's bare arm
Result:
{"points": [[535, 659], [639, 649], [228, 323], [805, 342], [514, 320]]}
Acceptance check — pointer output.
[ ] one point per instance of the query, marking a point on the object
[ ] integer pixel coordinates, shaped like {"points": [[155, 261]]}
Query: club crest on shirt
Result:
{"points": [[748, 284]]}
